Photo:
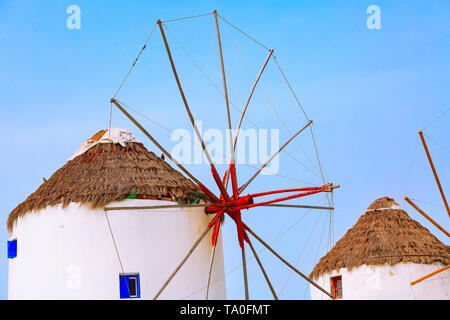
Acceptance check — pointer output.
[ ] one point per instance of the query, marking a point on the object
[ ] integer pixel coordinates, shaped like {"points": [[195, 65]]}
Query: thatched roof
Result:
{"points": [[109, 172], [385, 234]]}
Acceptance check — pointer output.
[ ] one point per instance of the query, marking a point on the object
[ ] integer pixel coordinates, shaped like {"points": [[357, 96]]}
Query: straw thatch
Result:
{"points": [[384, 235], [108, 172]]}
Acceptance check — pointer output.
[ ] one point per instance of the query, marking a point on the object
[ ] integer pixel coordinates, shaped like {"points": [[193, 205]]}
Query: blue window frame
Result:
{"points": [[129, 286], [12, 249]]}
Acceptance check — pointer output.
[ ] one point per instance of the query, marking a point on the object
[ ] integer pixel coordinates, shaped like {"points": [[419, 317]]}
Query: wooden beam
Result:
{"points": [[244, 269], [426, 216], [429, 275], [211, 261], [434, 172], [299, 206], [166, 206], [224, 80], [188, 110]]}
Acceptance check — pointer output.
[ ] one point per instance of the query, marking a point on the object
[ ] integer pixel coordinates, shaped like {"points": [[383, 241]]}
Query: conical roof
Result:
{"points": [[384, 234], [110, 166]]}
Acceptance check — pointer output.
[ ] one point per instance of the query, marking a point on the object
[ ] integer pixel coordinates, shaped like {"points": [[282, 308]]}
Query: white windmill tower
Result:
{"points": [[76, 238], [379, 257]]}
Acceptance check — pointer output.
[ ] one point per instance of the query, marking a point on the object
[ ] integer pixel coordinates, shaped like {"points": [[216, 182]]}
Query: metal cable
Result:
{"points": [[186, 18], [299, 257], [317, 252], [437, 118], [251, 38]]}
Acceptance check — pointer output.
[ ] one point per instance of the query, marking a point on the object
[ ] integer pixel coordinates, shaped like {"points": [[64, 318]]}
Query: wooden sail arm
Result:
{"points": [[441, 191], [426, 216], [247, 202], [429, 275]]}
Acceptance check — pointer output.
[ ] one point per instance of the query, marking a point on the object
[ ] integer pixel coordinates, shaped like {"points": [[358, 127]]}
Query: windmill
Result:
{"points": [[229, 203]]}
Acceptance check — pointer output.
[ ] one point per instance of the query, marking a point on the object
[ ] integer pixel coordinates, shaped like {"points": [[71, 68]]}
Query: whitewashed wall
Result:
{"points": [[388, 282], [69, 253]]}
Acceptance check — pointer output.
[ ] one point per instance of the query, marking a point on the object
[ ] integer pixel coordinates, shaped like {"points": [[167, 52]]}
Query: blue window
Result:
{"points": [[129, 286], [12, 249]]}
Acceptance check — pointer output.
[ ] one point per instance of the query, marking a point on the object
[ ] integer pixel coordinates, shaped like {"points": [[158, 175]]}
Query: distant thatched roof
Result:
{"points": [[385, 234], [105, 173]]}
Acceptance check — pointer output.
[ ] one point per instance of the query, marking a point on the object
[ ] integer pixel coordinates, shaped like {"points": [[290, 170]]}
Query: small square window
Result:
{"points": [[129, 286], [12, 249], [336, 287]]}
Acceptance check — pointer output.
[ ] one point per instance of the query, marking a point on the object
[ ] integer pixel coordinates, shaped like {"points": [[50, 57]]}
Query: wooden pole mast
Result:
{"points": [[224, 80], [426, 216]]}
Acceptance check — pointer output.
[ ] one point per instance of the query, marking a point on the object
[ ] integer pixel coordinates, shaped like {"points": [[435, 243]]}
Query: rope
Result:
{"points": [[437, 118], [115, 247], [126, 77], [317, 252], [272, 106], [438, 144], [186, 18], [135, 61], [245, 34], [299, 257], [220, 91], [430, 203], [316, 149], [289, 86], [219, 153]]}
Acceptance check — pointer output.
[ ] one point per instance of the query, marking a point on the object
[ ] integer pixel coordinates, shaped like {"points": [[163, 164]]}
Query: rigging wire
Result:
{"points": [[317, 252], [220, 91], [186, 18], [135, 61], [233, 105], [437, 143], [303, 110], [289, 86], [225, 157], [271, 104], [316, 149], [126, 76], [297, 262], [429, 203], [245, 34], [116, 249], [435, 119]]}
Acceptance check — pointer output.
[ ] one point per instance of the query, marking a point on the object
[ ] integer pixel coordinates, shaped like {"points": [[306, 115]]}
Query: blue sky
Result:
{"points": [[368, 92]]}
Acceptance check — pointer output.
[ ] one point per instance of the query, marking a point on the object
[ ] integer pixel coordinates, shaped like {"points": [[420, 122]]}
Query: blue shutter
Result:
{"points": [[12, 249], [129, 283]]}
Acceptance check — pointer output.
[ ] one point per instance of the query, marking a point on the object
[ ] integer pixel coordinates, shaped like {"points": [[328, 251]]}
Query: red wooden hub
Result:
{"points": [[233, 205]]}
